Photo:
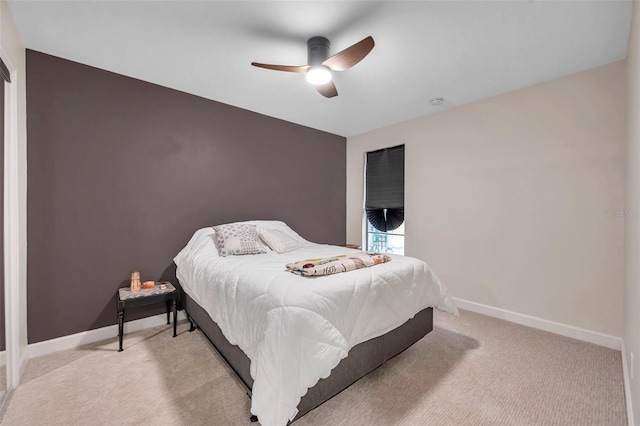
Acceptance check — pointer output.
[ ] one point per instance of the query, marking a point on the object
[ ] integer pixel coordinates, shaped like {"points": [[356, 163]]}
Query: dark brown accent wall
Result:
{"points": [[121, 172]]}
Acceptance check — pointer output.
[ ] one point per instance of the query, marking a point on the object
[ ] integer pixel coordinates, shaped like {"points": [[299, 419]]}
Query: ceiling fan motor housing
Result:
{"points": [[317, 50]]}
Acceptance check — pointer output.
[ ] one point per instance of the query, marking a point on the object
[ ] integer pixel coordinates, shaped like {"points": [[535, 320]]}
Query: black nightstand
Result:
{"points": [[157, 294]]}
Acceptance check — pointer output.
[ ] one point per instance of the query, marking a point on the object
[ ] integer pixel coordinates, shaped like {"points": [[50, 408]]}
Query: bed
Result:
{"points": [[296, 341]]}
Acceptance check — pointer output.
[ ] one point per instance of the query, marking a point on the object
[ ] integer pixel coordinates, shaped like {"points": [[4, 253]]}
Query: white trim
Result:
{"points": [[595, 337], [627, 385], [24, 360], [11, 200], [109, 332]]}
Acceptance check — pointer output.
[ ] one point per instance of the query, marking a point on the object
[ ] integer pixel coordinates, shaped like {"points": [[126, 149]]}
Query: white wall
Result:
{"points": [[506, 198], [632, 224], [13, 47]]}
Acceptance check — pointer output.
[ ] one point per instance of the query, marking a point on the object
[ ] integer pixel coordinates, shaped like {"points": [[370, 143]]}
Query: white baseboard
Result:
{"points": [[79, 339], [24, 360], [627, 385], [595, 337]]}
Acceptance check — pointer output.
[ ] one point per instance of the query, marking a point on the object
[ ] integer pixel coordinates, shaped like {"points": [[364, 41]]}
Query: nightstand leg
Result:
{"points": [[192, 325], [120, 325], [168, 310], [175, 317]]}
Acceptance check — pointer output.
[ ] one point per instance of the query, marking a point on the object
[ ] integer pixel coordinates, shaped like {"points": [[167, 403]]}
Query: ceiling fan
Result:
{"points": [[319, 64]]}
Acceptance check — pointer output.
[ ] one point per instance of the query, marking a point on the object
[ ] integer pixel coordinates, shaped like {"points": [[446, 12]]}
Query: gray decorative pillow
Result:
{"points": [[277, 240], [237, 239]]}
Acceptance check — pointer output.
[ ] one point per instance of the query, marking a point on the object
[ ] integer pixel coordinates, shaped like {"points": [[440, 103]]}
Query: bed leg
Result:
{"points": [[253, 419]]}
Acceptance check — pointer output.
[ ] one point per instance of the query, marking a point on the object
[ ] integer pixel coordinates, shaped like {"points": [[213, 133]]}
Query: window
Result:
{"points": [[384, 200], [385, 242]]}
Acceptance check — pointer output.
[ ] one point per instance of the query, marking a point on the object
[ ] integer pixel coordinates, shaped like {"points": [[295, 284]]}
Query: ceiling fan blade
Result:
{"points": [[350, 56], [287, 68], [328, 90]]}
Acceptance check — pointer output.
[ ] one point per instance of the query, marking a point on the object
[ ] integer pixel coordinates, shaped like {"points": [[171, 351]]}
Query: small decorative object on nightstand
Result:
{"points": [[163, 292], [135, 281], [351, 246]]}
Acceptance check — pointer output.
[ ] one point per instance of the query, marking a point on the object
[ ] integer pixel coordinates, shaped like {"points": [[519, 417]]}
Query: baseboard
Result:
{"points": [[594, 337], [627, 385], [24, 360], [79, 339]]}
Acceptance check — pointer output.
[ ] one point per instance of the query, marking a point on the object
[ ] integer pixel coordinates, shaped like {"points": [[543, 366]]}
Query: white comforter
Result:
{"points": [[295, 330]]}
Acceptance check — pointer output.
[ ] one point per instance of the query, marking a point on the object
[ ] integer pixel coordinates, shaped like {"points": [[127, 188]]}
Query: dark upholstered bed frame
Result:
{"points": [[362, 359]]}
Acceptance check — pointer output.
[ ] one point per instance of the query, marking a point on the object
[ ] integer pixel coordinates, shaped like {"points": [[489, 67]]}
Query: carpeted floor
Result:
{"points": [[471, 370]]}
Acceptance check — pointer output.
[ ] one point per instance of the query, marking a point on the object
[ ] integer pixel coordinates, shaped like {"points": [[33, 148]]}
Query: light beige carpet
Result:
{"points": [[471, 370]]}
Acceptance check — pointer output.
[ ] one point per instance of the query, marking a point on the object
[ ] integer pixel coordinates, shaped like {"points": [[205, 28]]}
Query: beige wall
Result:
{"points": [[632, 224], [13, 48], [506, 198]]}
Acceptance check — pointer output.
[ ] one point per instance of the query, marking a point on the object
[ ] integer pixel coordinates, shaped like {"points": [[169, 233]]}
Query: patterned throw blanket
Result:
{"points": [[336, 264]]}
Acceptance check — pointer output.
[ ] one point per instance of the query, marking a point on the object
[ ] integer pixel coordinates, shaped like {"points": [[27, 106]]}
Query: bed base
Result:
{"points": [[363, 358]]}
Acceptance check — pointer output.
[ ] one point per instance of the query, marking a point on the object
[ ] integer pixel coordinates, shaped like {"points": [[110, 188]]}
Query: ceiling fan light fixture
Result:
{"points": [[320, 65], [318, 75]]}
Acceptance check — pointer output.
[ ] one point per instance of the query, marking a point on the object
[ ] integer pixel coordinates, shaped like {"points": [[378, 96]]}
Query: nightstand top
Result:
{"points": [[351, 246], [125, 293]]}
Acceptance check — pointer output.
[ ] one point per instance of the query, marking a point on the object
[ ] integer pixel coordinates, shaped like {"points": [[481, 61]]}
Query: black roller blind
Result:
{"points": [[384, 195]]}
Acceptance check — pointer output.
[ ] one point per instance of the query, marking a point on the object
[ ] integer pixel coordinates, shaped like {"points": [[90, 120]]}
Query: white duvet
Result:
{"points": [[294, 329]]}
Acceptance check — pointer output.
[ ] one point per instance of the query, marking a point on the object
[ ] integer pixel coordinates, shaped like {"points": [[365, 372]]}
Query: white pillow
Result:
{"points": [[237, 239], [204, 239], [201, 239], [280, 226], [278, 241]]}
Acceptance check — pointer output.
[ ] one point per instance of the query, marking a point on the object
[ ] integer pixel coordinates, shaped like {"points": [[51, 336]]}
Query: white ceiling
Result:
{"points": [[462, 51]]}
